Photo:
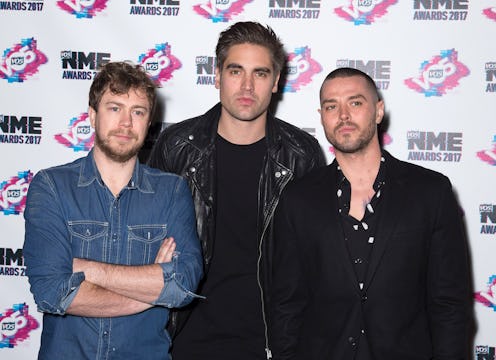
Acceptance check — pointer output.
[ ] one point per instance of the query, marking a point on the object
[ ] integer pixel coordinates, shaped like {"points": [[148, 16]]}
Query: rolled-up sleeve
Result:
{"points": [[183, 273], [47, 249]]}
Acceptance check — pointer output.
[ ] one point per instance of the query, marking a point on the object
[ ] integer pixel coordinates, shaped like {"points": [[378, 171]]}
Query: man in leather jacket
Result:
{"points": [[237, 158]]}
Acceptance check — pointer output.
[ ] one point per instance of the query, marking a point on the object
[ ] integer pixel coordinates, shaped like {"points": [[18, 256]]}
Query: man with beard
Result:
{"points": [[237, 158], [111, 244], [370, 257]]}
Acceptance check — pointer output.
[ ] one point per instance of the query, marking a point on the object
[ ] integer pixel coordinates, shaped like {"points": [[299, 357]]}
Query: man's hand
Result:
{"points": [[166, 251]]}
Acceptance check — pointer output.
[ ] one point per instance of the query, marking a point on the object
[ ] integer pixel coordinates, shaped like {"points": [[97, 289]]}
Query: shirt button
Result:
{"points": [[278, 174], [191, 137], [284, 172], [364, 297], [105, 333], [358, 261], [352, 341]]}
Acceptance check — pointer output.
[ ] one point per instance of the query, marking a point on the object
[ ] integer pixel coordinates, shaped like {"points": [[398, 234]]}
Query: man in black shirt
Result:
{"points": [[370, 259], [237, 158]]}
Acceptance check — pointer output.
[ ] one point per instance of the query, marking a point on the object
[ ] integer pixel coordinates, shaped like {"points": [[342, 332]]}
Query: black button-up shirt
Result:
{"points": [[359, 235]]}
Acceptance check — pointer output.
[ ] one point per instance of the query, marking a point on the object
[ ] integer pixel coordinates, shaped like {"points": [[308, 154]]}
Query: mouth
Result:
{"points": [[123, 137], [346, 128], [246, 101]]}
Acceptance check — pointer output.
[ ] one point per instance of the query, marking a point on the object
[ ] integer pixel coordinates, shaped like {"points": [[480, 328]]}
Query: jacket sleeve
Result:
{"points": [[47, 249], [313, 158], [288, 294], [448, 281], [183, 273], [320, 159]]}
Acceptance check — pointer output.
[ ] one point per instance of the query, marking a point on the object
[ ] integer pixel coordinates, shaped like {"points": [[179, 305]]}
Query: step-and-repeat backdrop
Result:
{"points": [[434, 61]]}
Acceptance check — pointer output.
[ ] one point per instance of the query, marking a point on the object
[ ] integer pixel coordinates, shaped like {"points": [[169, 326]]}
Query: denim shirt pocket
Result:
{"points": [[144, 242], [89, 239]]}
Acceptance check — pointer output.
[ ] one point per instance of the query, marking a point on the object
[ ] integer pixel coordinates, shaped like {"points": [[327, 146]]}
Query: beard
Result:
{"points": [[348, 145], [114, 153]]}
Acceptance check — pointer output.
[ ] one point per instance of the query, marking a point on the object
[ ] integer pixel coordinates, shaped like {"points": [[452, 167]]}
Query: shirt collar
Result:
{"points": [[89, 173]]}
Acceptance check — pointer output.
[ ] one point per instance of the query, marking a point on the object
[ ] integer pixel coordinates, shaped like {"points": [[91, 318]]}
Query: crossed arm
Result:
{"points": [[116, 290]]}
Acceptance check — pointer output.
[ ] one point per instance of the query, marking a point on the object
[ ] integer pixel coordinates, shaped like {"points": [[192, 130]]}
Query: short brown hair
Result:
{"points": [[119, 78]]}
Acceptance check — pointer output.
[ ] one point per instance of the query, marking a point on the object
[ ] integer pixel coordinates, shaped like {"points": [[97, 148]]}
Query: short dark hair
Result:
{"points": [[345, 72], [252, 33], [119, 78]]}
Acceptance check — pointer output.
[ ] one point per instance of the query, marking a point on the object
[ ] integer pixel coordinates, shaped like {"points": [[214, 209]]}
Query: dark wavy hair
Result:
{"points": [[252, 33]]}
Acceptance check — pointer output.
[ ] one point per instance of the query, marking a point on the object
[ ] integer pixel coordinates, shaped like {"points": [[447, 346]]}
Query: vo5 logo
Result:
{"points": [[21, 61], [438, 75], [220, 10], [82, 8]]}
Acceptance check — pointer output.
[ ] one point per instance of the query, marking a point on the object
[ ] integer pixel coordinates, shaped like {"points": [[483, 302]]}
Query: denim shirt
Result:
{"points": [[70, 213]]}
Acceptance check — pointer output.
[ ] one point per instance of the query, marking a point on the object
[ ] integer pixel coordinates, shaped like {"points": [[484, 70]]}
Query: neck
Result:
{"points": [[360, 168], [115, 175], [242, 132]]}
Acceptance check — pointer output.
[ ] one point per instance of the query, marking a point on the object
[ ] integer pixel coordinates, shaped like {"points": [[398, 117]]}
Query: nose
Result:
{"points": [[126, 119], [247, 83], [344, 114]]}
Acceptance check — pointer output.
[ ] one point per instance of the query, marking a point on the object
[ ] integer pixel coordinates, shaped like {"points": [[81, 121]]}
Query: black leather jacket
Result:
{"points": [[188, 149]]}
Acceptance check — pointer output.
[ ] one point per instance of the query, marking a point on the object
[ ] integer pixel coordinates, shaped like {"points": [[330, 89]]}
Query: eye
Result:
{"points": [[235, 72], [329, 107], [356, 103], [139, 112], [114, 108], [261, 74]]}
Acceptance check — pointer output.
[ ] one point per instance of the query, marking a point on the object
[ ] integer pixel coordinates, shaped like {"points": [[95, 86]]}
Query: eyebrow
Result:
{"points": [[352, 97], [258, 69], [113, 102]]}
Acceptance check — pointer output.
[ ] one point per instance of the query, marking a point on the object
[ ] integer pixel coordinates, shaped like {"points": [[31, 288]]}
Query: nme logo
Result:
{"points": [[205, 65], [378, 70], [302, 4], [487, 218], [484, 352], [441, 4], [487, 213], [490, 68], [78, 60], [427, 146], [428, 140], [9, 256], [10, 124], [205, 70]]}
